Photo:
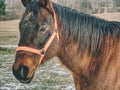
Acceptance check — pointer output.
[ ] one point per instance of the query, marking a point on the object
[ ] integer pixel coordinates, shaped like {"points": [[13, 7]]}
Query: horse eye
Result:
{"points": [[42, 28]]}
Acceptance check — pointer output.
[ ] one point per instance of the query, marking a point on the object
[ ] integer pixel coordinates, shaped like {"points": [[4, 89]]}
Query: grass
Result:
{"points": [[6, 50], [49, 76], [9, 37]]}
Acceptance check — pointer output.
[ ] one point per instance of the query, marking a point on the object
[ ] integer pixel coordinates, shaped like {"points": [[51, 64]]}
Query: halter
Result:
{"points": [[42, 51]]}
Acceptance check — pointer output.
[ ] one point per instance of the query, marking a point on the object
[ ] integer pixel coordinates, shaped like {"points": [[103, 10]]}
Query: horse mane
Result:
{"points": [[85, 30]]}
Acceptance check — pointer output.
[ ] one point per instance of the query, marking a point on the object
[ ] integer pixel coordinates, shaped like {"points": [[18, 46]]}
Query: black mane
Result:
{"points": [[86, 30]]}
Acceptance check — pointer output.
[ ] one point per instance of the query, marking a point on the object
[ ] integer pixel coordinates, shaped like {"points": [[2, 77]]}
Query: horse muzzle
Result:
{"points": [[21, 74]]}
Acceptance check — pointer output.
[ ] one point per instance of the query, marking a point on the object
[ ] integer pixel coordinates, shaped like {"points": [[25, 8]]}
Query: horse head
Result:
{"points": [[37, 25]]}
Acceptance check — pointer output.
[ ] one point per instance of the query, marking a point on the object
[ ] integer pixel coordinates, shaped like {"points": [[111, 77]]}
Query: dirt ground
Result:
{"points": [[109, 16], [9, 30]]}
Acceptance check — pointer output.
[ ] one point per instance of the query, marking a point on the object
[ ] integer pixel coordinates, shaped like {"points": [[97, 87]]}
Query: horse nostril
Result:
{"points": [[21, 72]]}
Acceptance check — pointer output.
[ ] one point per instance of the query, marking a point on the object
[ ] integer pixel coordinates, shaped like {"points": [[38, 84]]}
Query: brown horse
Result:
{"points": [[88, 46]]}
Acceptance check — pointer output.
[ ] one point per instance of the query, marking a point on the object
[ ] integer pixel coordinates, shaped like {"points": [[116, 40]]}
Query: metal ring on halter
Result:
{"points": [[42, 51]]}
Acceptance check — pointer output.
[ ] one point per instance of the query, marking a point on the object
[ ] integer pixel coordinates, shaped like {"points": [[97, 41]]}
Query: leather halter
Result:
{"points": [[42, 51]]}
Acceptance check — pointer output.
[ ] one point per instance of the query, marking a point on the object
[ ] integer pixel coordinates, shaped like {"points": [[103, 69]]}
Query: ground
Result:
{"points": [[9, 32], [50, 76]]}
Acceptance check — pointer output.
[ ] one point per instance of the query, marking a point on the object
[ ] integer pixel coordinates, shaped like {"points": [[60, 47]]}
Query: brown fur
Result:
{"points": [[100, 73]]}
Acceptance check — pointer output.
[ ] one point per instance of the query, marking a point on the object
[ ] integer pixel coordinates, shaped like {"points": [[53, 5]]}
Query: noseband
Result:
{"points": [[42, 51]]}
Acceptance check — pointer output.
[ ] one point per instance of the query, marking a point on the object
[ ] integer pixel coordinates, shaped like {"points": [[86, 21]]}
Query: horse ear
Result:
{"points": [[25, 2], [47, 3]]}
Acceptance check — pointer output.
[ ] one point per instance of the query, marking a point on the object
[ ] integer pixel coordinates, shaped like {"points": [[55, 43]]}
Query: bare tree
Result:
{"points": [[86, 6], [116, 3]]}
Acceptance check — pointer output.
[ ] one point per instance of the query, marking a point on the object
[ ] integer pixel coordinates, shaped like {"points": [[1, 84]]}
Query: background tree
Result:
{"points": [[2, 7], [116, 3], [86, 6]]}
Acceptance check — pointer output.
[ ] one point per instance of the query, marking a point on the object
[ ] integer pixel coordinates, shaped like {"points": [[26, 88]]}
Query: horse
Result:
{"points": [[87, 45]]}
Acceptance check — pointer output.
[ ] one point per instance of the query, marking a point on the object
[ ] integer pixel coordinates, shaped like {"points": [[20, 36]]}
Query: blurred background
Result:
{"points": [[13, 9]]}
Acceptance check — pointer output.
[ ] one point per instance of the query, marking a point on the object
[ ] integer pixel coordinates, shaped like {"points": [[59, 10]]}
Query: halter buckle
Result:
{"points": [[42, 51]]}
